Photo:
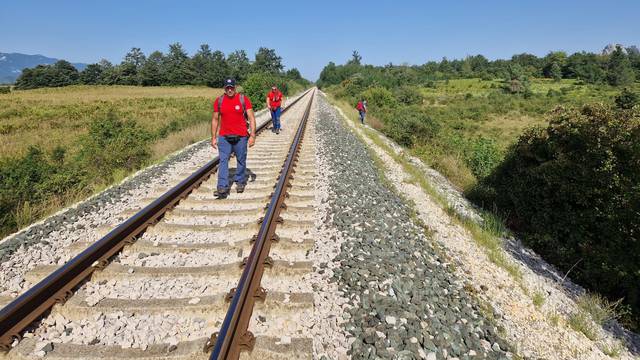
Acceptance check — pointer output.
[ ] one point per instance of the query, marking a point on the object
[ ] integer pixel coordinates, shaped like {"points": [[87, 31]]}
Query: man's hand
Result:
{"points": [[214, 143], [252, 140]]}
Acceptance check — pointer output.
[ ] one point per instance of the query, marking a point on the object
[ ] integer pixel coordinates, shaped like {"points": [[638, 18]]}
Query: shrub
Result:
{"points": [[553, 93], [627, 99], [430, 84], [379, 98], [5, 89], [114, 144], [571, 190], [517, 82], [483, 156], [21, 182], [354, 85], [409, 126], [408, 95], [581, 322], [256, 88]]}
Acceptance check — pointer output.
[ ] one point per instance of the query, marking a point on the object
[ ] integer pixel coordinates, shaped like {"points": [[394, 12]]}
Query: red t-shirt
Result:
{"points": [[232, 120], [275, 98]]}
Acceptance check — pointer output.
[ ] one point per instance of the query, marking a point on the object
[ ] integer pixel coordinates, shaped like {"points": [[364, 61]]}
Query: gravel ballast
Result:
{"points": [[404, 302]]}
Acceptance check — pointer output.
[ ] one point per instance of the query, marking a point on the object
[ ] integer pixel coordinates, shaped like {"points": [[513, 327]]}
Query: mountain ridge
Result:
{"points": [[12, 64]]}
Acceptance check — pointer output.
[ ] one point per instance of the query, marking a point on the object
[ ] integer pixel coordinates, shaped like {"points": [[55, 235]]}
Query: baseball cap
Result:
{"points": [[229, 82]]}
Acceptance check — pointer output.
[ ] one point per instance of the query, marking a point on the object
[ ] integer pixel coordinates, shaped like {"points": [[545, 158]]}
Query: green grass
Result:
{"points": [[467, 109], [554, 318], [538, 298], [600, 309], [612, 350], [581, 322]]}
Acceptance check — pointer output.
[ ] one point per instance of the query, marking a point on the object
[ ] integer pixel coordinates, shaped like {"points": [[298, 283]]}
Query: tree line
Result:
{"points": [[620, 68], [207, 67]]}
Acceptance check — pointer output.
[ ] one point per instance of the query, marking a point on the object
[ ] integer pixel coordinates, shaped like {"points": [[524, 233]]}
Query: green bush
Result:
{"points": [[627, 99], [572, 191], [256, 88], [29, 179], [408, 95], [114, 144], [379, 98], [409, 126], [483, 156], [257, 85], [553, 93], [5, 89], [354, 85]]}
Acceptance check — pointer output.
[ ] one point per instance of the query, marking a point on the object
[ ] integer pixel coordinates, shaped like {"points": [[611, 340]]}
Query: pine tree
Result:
{"points": [[267, 61], [178, 66], [152, 73], [619, 70], [239, 65]]}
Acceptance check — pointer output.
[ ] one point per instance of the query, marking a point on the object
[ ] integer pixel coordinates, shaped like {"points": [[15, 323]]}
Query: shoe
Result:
{"points": [[221, 193], [240, 188], [278, 131]]}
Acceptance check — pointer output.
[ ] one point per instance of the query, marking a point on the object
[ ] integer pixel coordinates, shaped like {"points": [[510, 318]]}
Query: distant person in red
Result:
{"points": [[274, 103], [232, 114], [362, 109]]}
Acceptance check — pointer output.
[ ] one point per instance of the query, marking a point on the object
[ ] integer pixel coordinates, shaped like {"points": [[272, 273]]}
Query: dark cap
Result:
{"points": [[229, 82]]}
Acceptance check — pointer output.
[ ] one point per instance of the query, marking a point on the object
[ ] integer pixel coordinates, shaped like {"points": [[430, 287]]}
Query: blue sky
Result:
{"points": [[310, 34]]}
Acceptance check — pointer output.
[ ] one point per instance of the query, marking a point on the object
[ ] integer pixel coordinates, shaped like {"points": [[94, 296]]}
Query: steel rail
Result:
{"points": [[60, 284], [234, 336]]}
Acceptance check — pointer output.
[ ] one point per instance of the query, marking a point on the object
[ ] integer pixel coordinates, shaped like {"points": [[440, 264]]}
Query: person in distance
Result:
{"points": [[274, 103], [233, 130], [362, 109]]}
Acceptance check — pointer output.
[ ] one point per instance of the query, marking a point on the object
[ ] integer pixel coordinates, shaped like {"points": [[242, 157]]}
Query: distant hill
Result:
{"points": [[11, 65]]}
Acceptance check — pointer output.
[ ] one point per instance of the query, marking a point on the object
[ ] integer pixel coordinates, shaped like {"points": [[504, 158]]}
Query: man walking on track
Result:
{"points": [[362, 109], [274, 102], [229, 134]]}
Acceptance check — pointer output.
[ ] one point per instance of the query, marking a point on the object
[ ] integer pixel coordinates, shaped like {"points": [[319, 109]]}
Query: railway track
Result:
{"points": [[189, 276]]}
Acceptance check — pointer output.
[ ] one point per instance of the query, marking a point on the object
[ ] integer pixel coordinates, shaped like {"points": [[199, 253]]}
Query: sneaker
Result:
{"points": [[278, 131], [240, 187], [221, 193]]}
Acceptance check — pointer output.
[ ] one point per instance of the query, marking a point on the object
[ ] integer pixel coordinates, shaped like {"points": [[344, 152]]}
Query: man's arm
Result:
{"points": [[215, 123], [252, 126]]}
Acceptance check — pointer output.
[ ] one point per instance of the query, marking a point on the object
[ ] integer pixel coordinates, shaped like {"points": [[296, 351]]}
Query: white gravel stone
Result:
{"points": [[390, 320]]}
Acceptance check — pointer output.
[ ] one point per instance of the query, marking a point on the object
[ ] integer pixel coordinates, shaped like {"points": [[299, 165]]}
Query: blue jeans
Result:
{"points": [[224, 151], [362, 113], [275, 117]]}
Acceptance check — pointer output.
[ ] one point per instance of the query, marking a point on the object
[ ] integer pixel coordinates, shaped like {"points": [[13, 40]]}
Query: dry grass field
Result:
{"points": [[51, 140], [58, 116]]}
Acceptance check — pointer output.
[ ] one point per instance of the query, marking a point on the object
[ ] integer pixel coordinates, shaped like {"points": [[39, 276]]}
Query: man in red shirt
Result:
{"points": [[229, 134], [274, 103]]}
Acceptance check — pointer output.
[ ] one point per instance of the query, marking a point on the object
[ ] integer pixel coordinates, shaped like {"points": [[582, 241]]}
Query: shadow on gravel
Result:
{"points": [[251, 176], [539, 266]]}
